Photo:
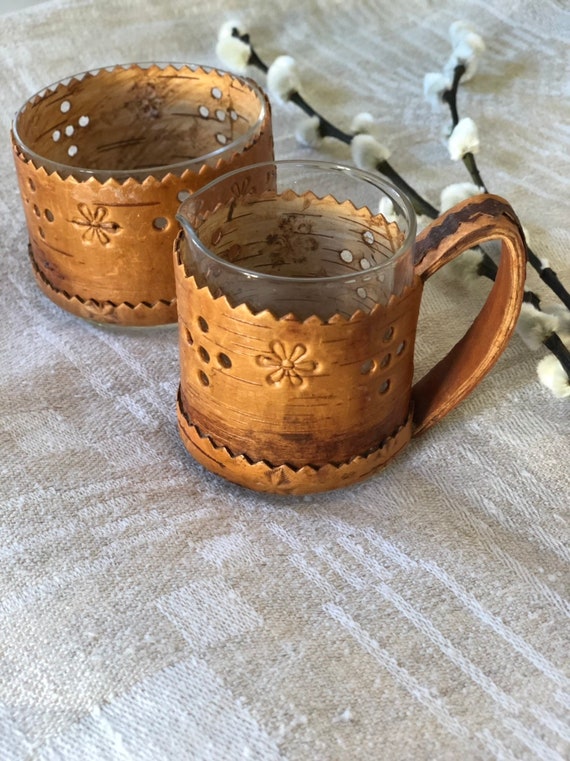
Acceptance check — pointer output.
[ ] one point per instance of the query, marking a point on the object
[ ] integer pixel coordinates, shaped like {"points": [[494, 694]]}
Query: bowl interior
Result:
{"points": [[135, 118]]}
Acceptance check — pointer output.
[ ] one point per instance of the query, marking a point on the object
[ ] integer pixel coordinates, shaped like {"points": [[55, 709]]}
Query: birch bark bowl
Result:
{"points": [[105, 158]]}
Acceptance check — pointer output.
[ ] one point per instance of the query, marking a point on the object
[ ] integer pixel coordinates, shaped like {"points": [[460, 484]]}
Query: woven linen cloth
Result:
{"points": [[151, 611]]}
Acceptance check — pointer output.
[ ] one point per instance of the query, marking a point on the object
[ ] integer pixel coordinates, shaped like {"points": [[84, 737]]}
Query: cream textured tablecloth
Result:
{"points": [[151, 611]]}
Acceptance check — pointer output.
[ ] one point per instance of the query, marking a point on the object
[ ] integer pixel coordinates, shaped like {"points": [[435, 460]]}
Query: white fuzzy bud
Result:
{"points": [[367, 152], [458, 30], [466, 266], [468, 46], [464, 139], [435, 84], [534, 326], [386, 208], [362, 123], [307, 132], [454, 194], [365, 124], [562, 315], [234, 53], [552, 375], [462, 31], [282, 78]]}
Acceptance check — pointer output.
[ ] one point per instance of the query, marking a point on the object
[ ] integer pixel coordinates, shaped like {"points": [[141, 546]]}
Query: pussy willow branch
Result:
{"points": [[328, 129], [450, 97], [487, 267], [546, 274]]}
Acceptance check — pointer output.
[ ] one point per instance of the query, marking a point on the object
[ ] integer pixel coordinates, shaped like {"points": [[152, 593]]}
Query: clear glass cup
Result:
{"points": [[104, 159], [299, 286], [275, 254]]}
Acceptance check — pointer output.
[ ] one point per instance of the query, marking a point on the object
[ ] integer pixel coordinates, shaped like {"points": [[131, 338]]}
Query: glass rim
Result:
{"points": [[122, 174], [386, 186]]}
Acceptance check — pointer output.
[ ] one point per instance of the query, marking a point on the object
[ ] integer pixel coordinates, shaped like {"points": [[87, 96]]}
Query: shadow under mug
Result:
{"points": [[298, 304], [105, 158]]}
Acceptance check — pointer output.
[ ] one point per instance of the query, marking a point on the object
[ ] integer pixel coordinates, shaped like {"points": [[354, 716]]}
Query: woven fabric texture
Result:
{"points": [[150, 611]]}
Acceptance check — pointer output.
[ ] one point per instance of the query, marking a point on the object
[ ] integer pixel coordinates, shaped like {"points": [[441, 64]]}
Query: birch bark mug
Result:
{"points": [[298, 304]]}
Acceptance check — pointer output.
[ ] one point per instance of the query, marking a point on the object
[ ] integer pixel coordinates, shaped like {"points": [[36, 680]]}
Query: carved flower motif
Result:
{"points": [[95, 223], [241, 188], [288, 364]]}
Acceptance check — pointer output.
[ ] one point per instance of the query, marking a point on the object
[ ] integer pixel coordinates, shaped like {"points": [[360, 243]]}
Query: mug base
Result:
{"points": [[107, 313], [263, 476]]}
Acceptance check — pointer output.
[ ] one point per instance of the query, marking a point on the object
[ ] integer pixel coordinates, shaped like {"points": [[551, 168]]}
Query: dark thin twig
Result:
{"points": [[450, 97], [546, 274], [328, 129], [557, 346]]}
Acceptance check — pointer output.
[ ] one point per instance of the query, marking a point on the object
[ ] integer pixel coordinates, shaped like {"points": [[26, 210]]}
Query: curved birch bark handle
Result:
{"points": [[479, 219]]}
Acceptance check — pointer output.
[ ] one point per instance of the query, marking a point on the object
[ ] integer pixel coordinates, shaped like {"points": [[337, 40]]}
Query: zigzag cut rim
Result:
{"points": [[356, 316], [172, 176]]}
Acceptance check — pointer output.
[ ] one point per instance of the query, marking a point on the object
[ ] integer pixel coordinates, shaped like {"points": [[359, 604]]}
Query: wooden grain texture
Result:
{"points": [[102, 249]]}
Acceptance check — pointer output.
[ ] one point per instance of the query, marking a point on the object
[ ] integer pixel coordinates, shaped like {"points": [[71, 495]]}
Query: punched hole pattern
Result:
{"points": [[223, 360], [374, 366], [160, 223], [69, 129]]}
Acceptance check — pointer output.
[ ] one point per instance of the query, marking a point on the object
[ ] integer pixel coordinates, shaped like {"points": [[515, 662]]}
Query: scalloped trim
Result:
{"points": [[160, 312], [263, 476]]}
